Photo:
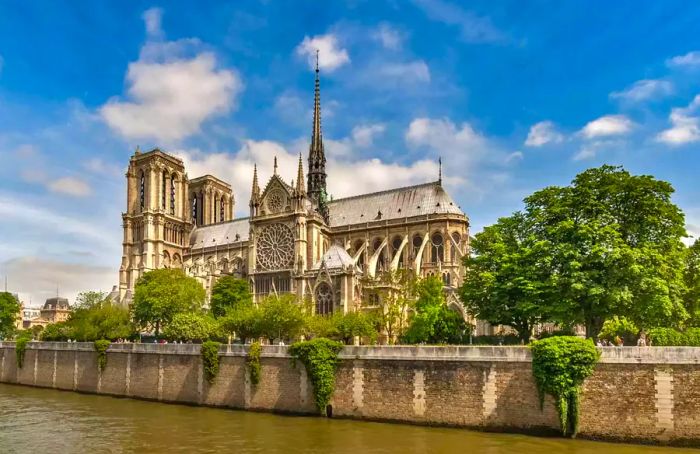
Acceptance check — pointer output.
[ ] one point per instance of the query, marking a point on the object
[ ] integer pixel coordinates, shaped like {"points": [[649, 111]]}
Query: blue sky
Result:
{"points": [[513, 95]]}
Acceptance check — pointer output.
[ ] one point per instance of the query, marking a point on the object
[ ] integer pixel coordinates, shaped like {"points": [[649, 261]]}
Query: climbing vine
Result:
{"points": [[253, 361], [20, 347], [101, 347], [560, 364], [210, 359], [320, 357]]}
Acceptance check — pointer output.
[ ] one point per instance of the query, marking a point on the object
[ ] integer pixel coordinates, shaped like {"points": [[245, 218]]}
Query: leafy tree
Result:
{"points": [[161, 294], [190, 326], [433, 322], [390, 300], [282, 317], [97, 322], [56, 332], [613, 248], [320, 326], [90, 299], [691, 277], [244, 322], [229, 293], [507, 280], [9, 310], [354, 324], [619, 327]]}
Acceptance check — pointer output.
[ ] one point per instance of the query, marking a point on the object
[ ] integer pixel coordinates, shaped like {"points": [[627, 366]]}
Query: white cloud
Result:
{"points": [[99, 166], [690, 59], [643, 90], [170, 96], [473, 28], [70, 186], [414, 71], [606, 126], [363, 135], [330, 55], [543, 133], [389, 37], [33, 175], [685, 125]]}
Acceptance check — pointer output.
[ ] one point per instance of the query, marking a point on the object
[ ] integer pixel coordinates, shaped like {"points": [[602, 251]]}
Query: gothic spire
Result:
{"points": [[300, 178], [255, 192], [317, 157]]}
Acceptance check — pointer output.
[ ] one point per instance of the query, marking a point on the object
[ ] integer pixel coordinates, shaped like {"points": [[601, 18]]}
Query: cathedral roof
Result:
{"points": [[335, 257], [221, 233], [406, 202]]}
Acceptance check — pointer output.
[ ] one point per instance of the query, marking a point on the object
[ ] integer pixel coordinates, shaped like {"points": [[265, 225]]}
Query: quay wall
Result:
{"points": [[646, 395]]}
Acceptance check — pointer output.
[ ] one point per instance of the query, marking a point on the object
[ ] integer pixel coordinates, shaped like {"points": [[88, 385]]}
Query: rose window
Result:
{"points": [[275, 247], [275, 201]]}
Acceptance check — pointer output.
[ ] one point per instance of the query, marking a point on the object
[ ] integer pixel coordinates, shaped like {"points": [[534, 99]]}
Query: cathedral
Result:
{"points": [[296, 239]]}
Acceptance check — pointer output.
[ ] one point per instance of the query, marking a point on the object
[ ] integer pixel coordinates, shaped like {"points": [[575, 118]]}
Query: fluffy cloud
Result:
{"points": [[473, 28], [170, 96], [543, 133], [70, 186], [389, 37], [330, 55], [685, 125], [414, 71], [690, 59], [364, 135], [643, 90], [606, 126]]}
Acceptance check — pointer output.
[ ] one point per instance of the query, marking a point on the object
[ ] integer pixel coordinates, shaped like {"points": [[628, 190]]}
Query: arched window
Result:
{"points": [[195, 209], [222, 209], [200, 209], [395, 245], [446, 278], [164, 190], [214, 210], [437, 252], [417, 242], [453, 249], [324, 299], [142, 190], [172, 194]]}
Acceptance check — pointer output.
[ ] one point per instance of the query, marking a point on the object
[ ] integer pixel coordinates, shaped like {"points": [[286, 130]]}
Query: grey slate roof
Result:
{"points": [[335, 258], [216, 234], [422, 199]]}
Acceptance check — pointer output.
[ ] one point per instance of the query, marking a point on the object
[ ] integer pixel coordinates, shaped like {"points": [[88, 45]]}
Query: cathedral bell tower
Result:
{"points": [[157, 219], [317, 157]]}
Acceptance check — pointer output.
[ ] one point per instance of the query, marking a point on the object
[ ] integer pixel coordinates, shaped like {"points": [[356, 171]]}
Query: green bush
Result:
{"points": [[619, 327], [560, 365], [101, 347], [210, 360], [320, 357], [253, 360], [20, 347], [669, 337]]}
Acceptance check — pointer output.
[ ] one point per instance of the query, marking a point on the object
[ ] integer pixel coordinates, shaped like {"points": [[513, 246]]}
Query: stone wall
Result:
{"points": [[635, 394]]}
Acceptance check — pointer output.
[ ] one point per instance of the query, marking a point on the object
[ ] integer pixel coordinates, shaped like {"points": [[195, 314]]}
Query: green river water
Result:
{"points": [[38, 421]]}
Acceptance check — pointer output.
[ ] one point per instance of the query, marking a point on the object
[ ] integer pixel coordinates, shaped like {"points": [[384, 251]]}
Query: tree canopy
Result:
{"points": [[161, 294], [9, 310], [229, 293]]}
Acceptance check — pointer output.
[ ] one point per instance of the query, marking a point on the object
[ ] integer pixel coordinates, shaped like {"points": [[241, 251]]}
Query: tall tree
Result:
{"points": [[613, 245], [90, 299], [9, 310], [507, 277], [282, 317], [160, 294], [391, 299], [691, 276], [230, 293]]}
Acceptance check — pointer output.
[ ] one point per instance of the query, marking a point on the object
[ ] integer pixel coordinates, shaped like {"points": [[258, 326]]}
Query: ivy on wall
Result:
{"points": [[101, 347], [253, 361], [560, 364], [20, 347], [320, 357], [210, 360]]}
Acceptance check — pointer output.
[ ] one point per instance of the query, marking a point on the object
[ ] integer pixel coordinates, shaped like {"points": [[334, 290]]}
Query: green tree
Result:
{"points": [[320, 326], [432, 321], [507, 277], [97, 322], [282, 317], [90, 299], [161, 294], [244, 322], [389, 300], [9, 310], [691, 276], [229, 293], [191, 326], [613, 247], [354, 324]]}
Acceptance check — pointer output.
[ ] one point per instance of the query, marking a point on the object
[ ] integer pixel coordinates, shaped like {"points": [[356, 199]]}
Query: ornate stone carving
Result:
{"points": [[275, 247]]}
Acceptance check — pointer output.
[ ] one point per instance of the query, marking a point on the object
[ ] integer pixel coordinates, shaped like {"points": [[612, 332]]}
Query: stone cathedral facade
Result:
{"points": [[295, 240]]}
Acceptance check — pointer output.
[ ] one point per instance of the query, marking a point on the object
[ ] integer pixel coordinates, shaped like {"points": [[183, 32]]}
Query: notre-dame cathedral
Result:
{"points": [[296, 240]]}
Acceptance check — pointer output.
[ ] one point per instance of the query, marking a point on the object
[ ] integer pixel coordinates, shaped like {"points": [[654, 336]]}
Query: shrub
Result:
{"points": [[210, 360], [619, 327], [20, 347], [560, 365], [253, 360], [669, 337], [320, 357], [101, 347]]}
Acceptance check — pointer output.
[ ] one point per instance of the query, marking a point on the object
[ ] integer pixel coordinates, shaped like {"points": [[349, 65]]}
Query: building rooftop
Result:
{"points": [[221, 233], [406, 202], [336, 258], [56, 303]]}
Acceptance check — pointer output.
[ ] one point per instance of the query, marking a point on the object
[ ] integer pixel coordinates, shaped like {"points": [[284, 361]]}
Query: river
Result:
{"points": [[37, 421]]}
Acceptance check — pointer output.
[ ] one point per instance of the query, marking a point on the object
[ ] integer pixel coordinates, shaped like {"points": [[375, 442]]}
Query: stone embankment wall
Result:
{"points": [[635, 394]]}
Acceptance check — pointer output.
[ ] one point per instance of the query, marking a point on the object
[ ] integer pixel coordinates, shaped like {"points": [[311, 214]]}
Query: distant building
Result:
{"points": [[28, 314], [55, 310]]}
